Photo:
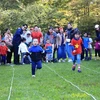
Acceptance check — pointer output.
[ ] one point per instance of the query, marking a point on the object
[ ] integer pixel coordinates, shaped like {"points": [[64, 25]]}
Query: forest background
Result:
{"points": [[83, 14]]}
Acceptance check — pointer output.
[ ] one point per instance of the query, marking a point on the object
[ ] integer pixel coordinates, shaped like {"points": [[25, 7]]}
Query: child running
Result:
{"points": [[77, 50], [36, 56]]}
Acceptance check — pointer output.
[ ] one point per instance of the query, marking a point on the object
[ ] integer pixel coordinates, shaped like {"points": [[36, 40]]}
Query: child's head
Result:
{"points": [[23, 40], [85, 34], [89, 35], [77, 34], [35, 42], [48, 41], [3, 43]]}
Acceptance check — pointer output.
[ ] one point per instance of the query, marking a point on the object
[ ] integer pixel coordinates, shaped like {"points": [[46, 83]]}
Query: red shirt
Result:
{"points": [[36, 35], [3, 50], [77, 46]]}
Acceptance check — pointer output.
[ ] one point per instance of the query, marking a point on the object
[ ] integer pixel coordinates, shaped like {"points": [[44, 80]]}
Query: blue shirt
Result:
{"points": [[86, 42], [17, 36], [35, 49]]}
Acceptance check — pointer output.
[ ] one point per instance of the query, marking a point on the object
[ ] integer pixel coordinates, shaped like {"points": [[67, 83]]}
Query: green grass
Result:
{"points": [[51, 82]]}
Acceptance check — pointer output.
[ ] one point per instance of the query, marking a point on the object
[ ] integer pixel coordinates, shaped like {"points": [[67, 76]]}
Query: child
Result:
{"points": [[86, 45], [48, 47], [90, 46], [97, 48], [3, 52], [77, 50], [36, 56], [23, 50]]}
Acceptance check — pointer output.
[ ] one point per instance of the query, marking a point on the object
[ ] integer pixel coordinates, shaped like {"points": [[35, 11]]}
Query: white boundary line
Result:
{"points": [[91, 69], [11, 84], [71, 82]]}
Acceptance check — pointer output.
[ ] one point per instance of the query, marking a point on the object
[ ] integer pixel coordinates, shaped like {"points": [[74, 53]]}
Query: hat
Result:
{"points": [[28, 32], [96, 26]]}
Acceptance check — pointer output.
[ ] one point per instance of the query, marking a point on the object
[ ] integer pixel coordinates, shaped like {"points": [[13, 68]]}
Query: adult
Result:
{"points": [[61, 53], [51, 36], [28, 38], [97, 30], [8, 40], [37, 34], [69, 32], [17, 41]]}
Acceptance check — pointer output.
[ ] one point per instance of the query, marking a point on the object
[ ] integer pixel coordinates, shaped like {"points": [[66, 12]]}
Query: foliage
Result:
{"points": [[44, 13]]}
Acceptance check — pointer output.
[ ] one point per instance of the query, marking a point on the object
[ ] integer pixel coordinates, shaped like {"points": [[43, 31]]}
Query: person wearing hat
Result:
{"points": [[76, 42], [28, 38], [97, 30]]}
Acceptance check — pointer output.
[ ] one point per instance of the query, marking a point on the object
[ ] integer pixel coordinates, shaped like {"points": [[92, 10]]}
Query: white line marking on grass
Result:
{"points": [[71, 83], [11, 84], [91, 69]]}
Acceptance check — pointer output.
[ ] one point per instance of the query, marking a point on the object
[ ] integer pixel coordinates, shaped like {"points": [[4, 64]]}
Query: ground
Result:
{"points": [[53, 82]]}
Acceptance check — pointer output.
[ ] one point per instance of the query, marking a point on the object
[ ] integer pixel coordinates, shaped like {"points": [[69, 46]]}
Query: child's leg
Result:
{"points": [[74, 62], [78, 62], [99, 53], [29, 58], [4, 59], [0, 59], [47, 57], [33, 67], [96, 54], [22, 57], [39, 64]]}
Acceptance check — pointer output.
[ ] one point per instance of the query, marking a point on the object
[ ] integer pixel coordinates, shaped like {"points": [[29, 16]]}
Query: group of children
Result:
{"points": [[35, 52]]}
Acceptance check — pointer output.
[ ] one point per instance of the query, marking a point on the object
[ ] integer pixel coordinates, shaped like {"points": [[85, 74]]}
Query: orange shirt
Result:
{"points": [[3, 50], [77, 46], [36, 35]]}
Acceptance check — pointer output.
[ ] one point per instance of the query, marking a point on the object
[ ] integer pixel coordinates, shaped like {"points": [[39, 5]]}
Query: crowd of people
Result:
{"points": [[54, 46]]}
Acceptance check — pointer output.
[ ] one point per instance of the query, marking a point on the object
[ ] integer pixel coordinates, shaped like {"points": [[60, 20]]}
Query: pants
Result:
{"points": [[97, 53], [86, 53], [35, 65], [90, 52], [16, 56], [3, 59], [23, 56], [49, 57], [61, 53], [77, 59], [69, 51]]}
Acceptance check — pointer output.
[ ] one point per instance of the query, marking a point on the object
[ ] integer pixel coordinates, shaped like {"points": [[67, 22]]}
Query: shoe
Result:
{"points": [[73, 67], [79, 71], [33, 76], [69, 60], [59, 60], [63, 60]]}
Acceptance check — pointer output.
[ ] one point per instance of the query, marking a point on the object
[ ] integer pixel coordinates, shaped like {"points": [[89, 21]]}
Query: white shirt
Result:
{"points": [[22, 48], [90, 41]]}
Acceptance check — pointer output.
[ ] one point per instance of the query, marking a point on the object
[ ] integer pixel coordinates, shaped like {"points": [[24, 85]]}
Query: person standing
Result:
{"points": [[16, 41], [8, 40]]}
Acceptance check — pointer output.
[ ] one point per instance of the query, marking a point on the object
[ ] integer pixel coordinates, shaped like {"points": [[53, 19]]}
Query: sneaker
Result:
{"points": [[79, 71], [59, 60], [73, 67], [33, 76], [63, 60], [69, 60]]}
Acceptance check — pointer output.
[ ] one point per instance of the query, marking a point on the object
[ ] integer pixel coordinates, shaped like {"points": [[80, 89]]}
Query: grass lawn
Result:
{"points": [[53, 82]]}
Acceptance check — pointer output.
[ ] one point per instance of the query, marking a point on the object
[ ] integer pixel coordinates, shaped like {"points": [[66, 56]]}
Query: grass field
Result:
{"points": [[53, 82]]}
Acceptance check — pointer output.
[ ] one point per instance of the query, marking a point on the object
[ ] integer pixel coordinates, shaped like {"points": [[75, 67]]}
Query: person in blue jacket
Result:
{"points": [[86, 45], [16, 41], [36, 56]]}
